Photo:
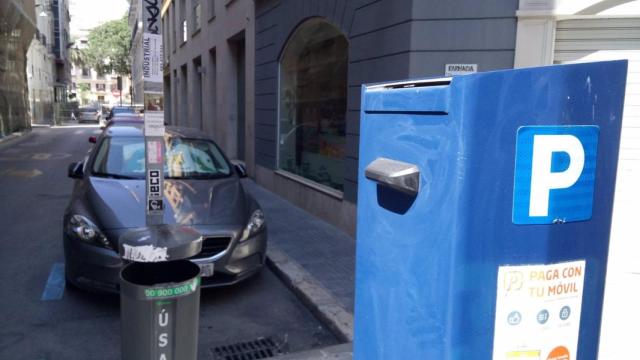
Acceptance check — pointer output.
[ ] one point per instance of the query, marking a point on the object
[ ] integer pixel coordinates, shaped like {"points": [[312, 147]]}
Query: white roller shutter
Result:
{"points": [[608, 39]]}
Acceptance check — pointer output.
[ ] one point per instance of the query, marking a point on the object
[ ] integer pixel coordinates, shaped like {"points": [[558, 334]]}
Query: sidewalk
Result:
{"points": [[323, 250], [315, 259], [9, 138]]}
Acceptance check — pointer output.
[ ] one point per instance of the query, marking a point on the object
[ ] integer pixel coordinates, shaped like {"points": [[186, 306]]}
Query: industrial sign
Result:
{"points": [[538, 311], [460, 69], [554, 174], [152, 57]]}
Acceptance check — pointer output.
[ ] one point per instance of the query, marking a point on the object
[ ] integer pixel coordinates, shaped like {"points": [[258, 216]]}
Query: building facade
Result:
{"points": [[312, 58], [209, 71], [17, 27], [92, 87], [135, 50], [40, 67], [61, 44]]}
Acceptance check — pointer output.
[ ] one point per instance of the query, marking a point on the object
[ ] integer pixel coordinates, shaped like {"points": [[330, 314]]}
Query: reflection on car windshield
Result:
{"points": [[123, 158]]}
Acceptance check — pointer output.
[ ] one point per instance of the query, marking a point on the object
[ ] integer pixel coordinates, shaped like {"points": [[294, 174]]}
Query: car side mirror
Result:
{"points": [[75, 170], [92, 139], [240, 170]]}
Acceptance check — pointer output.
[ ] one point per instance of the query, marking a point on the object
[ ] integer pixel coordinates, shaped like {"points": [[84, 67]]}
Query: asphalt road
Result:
{"points": [[33, 193]]}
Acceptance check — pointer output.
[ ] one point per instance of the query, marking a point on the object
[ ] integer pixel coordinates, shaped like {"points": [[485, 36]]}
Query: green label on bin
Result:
{"points": [[173, 291]]}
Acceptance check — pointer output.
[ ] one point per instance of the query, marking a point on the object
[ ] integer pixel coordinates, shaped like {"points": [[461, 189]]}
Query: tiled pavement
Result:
{"points": [[327, 253]]}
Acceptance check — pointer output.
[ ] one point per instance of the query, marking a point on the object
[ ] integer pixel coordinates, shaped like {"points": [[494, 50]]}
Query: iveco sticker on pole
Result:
{"points": [[554, 174], [154, 192]]}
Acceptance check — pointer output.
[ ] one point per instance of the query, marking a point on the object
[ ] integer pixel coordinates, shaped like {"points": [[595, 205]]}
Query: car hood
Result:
{"points": [[119, 204]]}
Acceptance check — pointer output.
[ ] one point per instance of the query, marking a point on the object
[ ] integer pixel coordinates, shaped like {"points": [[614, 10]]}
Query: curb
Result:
{"points": [[322, 304], [14, 136], [335, 352]]}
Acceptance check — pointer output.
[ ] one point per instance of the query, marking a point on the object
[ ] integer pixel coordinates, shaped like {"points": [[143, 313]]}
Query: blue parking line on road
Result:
{"points": [[54, 288]]}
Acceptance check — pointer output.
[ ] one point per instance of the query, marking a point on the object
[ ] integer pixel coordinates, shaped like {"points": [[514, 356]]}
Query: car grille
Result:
{"points": [[212, 246]]}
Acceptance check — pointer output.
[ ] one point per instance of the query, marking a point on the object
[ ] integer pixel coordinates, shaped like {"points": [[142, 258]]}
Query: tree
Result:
{"points": [[77, 57], [108, 47]]}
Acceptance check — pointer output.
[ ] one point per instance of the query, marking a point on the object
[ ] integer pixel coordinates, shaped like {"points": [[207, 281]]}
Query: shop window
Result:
{"points": [[313, 103]]}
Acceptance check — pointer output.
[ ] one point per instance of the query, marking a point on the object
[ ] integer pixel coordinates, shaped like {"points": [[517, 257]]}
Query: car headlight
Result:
{"points": [[84, 229], [255, 225]]}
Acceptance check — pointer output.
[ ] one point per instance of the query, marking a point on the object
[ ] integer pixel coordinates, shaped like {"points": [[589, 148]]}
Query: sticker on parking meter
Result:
{"points": [[538, 311]]}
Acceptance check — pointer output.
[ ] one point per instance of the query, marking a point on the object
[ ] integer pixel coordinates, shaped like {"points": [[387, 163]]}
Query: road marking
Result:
{"points": [[78, 132], [22, 173], [37, 156], [54, 288], [41, 156]]}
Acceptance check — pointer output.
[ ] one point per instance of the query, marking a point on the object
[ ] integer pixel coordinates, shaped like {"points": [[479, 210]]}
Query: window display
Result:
{"points": [[313, 103]]}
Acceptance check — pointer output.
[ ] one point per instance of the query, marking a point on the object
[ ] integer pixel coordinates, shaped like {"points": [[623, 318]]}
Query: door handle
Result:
{"points": [[401, 176]]}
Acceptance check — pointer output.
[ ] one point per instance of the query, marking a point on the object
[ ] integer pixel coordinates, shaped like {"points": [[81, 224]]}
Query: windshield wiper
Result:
{"points": [[117, 176]]}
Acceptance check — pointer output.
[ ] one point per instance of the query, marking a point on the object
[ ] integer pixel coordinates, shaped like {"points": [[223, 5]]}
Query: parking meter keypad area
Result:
{"points": [[501, 253]]}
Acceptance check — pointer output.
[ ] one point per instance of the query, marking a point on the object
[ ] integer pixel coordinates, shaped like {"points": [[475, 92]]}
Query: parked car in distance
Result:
{"points": [[202, 190], [120, 110], [89, 113], [125, 119]]}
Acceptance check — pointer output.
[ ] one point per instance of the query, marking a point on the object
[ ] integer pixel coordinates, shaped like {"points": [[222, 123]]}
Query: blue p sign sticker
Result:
{"points": [[554, 174]]}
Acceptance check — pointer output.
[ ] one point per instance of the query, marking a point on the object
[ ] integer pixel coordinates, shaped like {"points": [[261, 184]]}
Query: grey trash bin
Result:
{"points": [[160, 301]]}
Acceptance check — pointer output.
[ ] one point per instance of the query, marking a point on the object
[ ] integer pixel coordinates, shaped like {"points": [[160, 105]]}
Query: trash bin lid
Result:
{"points": [[160, 243]]}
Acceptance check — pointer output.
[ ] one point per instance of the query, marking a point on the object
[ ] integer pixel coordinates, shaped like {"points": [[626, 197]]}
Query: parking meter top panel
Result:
{"points": [[516, 168], [160, 243]]}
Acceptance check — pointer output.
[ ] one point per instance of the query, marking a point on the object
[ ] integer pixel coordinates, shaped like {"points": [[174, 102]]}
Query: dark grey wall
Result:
{"points": [[388, 40]]}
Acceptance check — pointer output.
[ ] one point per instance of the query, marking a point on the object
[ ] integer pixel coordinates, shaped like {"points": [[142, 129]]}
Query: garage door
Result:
{"points": [[608, 39]]}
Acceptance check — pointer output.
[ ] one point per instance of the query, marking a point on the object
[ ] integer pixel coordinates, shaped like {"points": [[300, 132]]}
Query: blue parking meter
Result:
{"points": [[484, 211]]}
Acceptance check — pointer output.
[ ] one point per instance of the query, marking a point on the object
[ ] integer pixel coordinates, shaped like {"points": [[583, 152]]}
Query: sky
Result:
{"points": [[87, 14]]}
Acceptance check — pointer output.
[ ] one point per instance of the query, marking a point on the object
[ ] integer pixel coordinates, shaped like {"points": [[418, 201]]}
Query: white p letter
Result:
{"points": [[542, 179]]}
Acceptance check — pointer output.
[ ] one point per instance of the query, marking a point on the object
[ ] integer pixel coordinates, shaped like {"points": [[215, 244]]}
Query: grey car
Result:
{"points": [[89, 113], [202, 190]]}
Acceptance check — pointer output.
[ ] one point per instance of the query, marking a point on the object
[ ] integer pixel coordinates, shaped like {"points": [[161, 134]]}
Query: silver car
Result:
{"points": [[89, 113], [202, 190]]}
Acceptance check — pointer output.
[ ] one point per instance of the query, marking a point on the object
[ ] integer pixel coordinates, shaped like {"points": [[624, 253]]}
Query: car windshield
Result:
{"points": [[123, 158]]}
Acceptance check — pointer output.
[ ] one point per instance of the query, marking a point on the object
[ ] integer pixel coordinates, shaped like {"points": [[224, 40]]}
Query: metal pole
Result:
{"points": [[153, 111]]}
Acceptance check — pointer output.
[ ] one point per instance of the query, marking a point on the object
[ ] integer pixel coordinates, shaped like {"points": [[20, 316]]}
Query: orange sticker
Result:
{"points": [[559, 353]]}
